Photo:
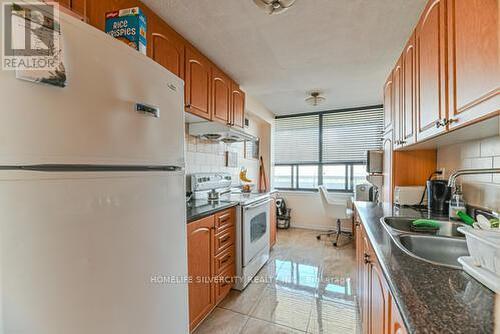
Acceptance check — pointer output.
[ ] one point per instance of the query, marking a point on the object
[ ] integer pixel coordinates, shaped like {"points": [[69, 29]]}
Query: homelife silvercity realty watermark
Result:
{"points": [[31, 36]]}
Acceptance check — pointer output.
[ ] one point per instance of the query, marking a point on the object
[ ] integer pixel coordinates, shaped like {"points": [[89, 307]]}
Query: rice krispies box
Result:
{"points": [[128, 25]]}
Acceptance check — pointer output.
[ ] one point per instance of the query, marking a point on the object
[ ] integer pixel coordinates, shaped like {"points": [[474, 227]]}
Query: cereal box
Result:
{"points": [[128, 25]]}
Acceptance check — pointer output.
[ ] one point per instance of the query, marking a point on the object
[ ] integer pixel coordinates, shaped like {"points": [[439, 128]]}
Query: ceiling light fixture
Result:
{"points": [[272, 7], [315, 99]]}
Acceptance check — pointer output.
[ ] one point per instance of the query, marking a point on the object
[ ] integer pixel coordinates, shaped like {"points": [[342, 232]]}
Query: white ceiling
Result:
{"points": [[344, 48]]}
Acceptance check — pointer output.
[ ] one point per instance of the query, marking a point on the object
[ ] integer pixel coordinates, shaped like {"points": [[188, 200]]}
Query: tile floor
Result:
{"points": [[306, 287]]}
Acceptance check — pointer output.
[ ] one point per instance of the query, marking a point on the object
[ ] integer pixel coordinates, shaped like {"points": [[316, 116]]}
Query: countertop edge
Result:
{"points": [[195, 217]]}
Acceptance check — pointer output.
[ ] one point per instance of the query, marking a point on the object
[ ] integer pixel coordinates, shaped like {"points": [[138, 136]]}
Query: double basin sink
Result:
{"points": [[442, 247]]}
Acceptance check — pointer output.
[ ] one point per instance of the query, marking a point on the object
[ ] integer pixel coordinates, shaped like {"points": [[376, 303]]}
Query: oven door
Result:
{"points": [[256, 219]]}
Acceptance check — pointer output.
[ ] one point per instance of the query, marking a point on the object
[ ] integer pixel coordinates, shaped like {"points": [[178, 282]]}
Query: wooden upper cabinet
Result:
{"points": [[473, 58], [197, 84], [430, 40], [221, 96], [238, 106], [388, 103], [409, 83], [200, 236], [388, 168], [397, 78], [167, 50], [78, 7]]}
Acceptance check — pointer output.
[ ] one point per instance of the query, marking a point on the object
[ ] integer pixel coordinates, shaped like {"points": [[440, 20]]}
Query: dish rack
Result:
{"points": [[484, 261]]}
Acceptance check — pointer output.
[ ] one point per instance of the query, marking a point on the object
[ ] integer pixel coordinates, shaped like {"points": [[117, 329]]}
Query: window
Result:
{"points": [[326, 148]]}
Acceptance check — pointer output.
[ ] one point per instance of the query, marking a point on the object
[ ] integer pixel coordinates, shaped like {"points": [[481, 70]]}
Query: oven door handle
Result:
{"points": [[257, 204]]}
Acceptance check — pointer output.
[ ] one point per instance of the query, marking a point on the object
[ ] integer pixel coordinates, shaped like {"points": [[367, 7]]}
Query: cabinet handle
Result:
{"points": [[224, 217]]}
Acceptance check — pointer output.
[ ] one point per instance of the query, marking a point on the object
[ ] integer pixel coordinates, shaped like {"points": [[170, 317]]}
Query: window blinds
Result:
{"points": [[348, 135], [296, 140], [345, 137]]}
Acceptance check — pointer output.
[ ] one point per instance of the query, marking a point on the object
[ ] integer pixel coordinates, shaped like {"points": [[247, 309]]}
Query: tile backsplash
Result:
{"points": [[479, 190], [204, 156]]}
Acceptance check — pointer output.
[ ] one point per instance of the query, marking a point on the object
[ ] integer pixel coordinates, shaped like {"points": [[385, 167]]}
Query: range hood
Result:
{"points": [[219, 132]]}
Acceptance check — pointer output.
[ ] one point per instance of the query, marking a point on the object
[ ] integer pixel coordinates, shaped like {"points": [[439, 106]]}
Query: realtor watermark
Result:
{"points": [[31, 36]]}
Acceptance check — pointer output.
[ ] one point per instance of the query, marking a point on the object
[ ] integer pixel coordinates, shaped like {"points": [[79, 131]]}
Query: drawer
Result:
{"points": [[224, 283], [224, 220], [224, 239], [225, 260]]}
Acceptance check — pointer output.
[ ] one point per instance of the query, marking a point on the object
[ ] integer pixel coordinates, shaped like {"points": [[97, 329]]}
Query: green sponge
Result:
{"points": [[425, 223], [465, 218]]}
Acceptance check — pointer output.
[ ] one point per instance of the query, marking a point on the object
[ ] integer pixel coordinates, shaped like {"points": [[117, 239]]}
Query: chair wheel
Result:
{"points": [[318, 237]]}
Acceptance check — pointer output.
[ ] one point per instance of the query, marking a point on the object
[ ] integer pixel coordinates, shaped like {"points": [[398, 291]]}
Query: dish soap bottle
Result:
{"points": [[457, 203]]}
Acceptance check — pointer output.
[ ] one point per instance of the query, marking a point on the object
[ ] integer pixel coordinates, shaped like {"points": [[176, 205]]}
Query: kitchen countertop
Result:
{"points": [[431, 299], [199, 209]]}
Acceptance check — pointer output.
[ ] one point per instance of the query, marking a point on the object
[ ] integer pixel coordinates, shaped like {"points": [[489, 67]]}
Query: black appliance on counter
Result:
{"points": [[438, 196]]}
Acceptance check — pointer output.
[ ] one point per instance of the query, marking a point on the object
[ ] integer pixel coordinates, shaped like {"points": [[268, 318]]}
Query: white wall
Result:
{"points": [[479, 190], [307, 210]]}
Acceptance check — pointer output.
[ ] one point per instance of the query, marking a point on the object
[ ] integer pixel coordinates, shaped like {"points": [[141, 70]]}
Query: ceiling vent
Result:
{"points": [[273, 7]]}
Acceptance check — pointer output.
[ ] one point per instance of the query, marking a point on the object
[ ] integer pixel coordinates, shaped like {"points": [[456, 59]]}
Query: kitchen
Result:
{"points": [[177, 171]]}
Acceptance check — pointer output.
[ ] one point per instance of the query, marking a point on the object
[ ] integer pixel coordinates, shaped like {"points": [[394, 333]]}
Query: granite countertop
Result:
{"points": [[431, 299], [199, 209]]}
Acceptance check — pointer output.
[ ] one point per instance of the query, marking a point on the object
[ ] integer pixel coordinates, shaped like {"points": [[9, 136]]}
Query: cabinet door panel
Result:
{"points": [[388, 170], [388, 103], [408, 124], [474, 56], [168, 52], [273, 228], [221, 96], [430, 37], [398, 103], [360, 270], [379, 306], [197, 87], [238, 106], [397, 324], [200, 264]]}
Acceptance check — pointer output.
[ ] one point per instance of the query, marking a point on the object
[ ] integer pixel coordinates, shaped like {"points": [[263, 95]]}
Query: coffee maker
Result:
{"points": [[438, 196]]}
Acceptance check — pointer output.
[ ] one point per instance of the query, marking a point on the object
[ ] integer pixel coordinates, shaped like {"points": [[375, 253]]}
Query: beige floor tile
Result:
{"points": [[333, 317], [284, 307], [256, 326], [222, 321], [243, 302]]}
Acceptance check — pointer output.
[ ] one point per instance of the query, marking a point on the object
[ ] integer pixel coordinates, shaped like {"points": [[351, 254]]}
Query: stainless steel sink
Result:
{"points": [[403, 225], [436, 250]]}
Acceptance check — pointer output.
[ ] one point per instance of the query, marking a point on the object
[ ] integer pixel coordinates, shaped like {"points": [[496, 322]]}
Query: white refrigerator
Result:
{"points": [[92, 208]]}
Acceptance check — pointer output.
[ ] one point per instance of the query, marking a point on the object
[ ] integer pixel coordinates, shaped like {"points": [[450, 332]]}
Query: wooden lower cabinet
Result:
{"points": [[211, 263], [273, 228], [396, 324], [378, 311]]}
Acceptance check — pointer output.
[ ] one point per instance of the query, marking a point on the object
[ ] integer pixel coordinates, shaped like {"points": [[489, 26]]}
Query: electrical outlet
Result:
{"points": [[442, 172]]}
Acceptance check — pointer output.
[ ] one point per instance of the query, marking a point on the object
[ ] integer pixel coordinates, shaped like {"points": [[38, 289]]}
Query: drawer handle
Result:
{"points": [[224, 217], [225, 239]]}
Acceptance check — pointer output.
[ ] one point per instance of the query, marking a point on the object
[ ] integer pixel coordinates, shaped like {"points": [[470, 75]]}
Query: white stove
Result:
{"points": [[252, 222]]}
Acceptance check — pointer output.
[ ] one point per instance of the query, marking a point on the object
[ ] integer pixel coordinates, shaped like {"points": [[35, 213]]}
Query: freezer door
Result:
{"points": [[93, 253], [93, 120]]}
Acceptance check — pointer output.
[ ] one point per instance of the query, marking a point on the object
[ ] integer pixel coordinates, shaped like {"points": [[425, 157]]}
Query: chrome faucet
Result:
{"points": [[453, 177]]}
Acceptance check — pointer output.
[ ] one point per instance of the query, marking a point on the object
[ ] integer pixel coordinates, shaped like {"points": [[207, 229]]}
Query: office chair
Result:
{"points": [[336, 210]]}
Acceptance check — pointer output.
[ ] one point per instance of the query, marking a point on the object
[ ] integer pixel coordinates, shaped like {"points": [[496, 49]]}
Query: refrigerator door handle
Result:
{"points": [[93, 168]]}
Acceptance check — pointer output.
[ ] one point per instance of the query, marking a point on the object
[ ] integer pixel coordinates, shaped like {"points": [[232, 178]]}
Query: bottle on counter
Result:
{"points": [[457, 203]]}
